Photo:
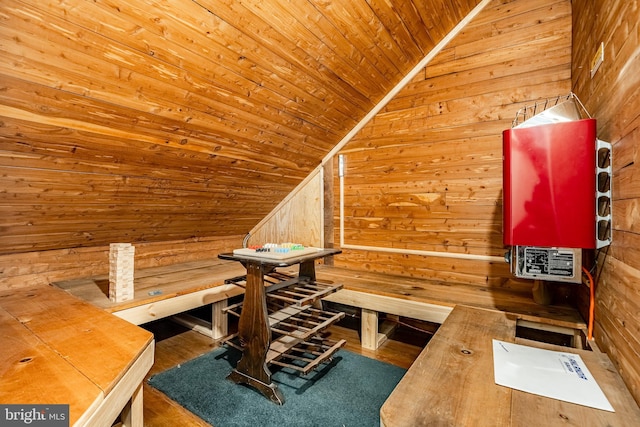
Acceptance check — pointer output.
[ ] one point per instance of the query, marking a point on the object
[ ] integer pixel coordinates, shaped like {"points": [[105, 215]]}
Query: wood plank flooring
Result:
{"points": [[175, 345]]}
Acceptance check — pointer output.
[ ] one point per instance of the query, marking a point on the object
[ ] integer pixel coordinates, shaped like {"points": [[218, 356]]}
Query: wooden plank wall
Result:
{"points": [[612, 96], [43, 267], [426, 172], [299, 219]]}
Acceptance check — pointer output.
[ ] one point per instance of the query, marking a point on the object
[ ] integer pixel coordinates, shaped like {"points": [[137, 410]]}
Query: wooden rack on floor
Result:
{"points": [[279, 324], [296, 326]]}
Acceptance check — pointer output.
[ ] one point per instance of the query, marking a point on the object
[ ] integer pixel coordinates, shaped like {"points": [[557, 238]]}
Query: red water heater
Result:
{"points": [[549, 185]]}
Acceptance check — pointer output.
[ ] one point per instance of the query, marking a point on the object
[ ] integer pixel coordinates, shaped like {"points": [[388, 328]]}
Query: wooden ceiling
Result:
{"points": [[151, 120]]}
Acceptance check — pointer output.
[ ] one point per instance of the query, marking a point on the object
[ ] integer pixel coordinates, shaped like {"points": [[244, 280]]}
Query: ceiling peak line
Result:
{"points": [[379, 106], [406, 80]]}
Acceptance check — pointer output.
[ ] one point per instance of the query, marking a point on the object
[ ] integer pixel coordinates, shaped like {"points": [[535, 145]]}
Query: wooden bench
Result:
{"points": [[173, 289], [168, 291], [177, 288], [60, 350], [451, 383], [432, 301]]}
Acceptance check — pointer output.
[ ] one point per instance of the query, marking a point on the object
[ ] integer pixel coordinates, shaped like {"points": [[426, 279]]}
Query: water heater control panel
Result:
{"points": [[544, 263]]}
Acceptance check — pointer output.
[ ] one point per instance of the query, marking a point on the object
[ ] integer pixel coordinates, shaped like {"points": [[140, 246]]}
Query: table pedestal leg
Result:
{"points": [[308, 269], [255, 338], [270, 390]]}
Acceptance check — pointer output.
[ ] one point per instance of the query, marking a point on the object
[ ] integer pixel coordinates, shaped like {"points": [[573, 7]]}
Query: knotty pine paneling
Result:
{"points": [[612, 96], [426, 172], [151, 121]]}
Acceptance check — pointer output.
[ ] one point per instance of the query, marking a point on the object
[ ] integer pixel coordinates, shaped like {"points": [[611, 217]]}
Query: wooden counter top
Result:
{"points": [[58, 349], [451, 383]]}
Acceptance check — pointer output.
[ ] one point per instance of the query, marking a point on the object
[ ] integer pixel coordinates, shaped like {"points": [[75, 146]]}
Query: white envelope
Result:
{"points": [[554, 374]]}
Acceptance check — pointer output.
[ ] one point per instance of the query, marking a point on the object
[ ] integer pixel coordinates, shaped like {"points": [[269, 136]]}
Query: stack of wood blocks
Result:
{"points": [[121, 272]]}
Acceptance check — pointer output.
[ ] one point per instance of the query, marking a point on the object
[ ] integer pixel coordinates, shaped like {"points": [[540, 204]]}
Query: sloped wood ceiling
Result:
{"points": [[150, 120]]}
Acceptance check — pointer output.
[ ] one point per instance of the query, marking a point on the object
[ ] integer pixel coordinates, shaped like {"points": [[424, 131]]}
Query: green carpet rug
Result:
{"points": [[348, 391]]}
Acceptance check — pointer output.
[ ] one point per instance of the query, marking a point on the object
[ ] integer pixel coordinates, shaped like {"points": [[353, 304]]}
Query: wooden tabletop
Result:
{"points": [[57, 349], [258, 258], [451, 383]]}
